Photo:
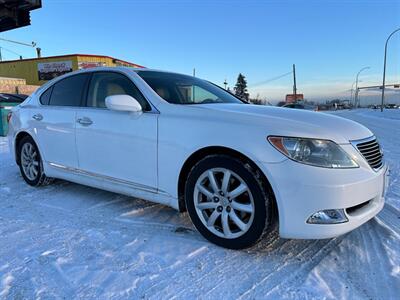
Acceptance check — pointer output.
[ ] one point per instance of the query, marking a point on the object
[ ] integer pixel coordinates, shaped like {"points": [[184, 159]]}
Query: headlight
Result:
{"points": [[320, 153]]}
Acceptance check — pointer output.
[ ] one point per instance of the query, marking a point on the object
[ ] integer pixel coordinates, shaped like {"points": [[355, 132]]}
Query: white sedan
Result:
{"points": [[238, 169]]}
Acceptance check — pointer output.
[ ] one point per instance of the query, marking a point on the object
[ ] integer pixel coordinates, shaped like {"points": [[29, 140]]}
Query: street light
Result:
{"points": [[384, 67], [356, 95]]}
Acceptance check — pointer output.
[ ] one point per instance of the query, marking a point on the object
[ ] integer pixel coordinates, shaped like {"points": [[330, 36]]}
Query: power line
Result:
{"points": [[33, 44], [271, 79], [11, 51]]}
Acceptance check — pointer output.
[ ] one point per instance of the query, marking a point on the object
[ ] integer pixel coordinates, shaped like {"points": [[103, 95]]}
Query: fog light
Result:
{"points": [[328, 216]]}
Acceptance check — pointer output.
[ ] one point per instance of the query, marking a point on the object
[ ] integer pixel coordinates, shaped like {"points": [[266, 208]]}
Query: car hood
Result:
{"points": [[292, 122]]}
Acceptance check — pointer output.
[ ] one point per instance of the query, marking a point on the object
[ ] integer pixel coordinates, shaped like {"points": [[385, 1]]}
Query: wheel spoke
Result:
{"points": [[30, 171], [225, 181], [234, 217], [214, 216], [35, 163], [25, 153], [213, 182], [242, 207], [30, 151], [225, 224], [206, 205], [238, 191], [34, 171], [204, 191]]}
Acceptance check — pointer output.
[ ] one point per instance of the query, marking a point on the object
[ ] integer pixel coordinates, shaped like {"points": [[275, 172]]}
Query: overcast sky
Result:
{"points": [[329, 41]]}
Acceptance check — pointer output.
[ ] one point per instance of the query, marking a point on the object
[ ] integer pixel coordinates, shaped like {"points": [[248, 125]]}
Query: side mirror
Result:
{"points": [[123, 103]]}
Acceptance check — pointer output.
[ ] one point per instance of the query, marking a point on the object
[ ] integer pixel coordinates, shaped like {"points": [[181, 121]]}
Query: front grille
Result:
{"points": [[371, 152]]}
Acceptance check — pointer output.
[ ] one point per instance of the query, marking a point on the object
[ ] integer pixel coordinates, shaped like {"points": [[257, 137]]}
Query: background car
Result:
{"points": [[18, 98], [300, 106], [392, 106]]}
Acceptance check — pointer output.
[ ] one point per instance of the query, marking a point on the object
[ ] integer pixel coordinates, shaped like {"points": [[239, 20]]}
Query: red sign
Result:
{"points": [[290, 98], [88, 65]]}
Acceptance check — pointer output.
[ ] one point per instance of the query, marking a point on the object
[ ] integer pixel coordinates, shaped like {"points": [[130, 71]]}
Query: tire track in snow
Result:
{"points": [[172, 286], [287, 273], [390, 217], [209, 268]]}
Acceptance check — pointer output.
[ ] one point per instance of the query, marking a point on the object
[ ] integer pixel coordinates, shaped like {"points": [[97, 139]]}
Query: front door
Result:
{"points": [[117, 145]]}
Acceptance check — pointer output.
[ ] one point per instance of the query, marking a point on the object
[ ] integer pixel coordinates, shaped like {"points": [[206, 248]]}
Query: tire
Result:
{"points": [[30, 163], [215, 205]]}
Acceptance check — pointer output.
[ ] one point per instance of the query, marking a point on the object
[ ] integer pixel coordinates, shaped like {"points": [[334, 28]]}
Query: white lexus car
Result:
{"points": [[238, 169]]}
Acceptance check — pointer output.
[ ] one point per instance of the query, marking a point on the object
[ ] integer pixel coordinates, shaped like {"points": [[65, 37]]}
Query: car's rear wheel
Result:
{"points": [[30, 163], [228, 202]]}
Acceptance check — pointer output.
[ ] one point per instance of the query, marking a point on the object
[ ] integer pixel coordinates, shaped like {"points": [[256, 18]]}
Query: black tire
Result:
{"points": [[263, 209], [40, 178]]}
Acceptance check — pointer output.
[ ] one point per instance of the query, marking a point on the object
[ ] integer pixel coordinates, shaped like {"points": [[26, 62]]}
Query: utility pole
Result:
{"points": [[225, 83], [294, 83]]}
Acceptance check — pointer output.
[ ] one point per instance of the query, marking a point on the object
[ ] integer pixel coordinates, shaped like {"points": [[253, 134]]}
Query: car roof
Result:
{"points": [[121, 69], [97, 69]]}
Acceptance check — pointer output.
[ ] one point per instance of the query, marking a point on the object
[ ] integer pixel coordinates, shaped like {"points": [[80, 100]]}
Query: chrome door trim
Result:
{"points": [[134, 185]]}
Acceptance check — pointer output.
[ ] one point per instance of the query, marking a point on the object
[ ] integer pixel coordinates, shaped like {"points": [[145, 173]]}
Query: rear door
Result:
{"points": [[54, 121], [117, 145]]}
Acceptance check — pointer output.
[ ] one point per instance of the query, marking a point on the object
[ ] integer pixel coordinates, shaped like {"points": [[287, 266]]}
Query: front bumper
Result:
{"points": [[302, 190]]}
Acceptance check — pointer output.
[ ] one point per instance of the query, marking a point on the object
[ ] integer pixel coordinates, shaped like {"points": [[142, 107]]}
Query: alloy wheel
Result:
{"points": [[224, 203], [30, 161]]}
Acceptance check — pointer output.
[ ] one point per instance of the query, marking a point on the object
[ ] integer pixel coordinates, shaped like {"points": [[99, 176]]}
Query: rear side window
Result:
{"points": [[68, 92], [45, 97]]}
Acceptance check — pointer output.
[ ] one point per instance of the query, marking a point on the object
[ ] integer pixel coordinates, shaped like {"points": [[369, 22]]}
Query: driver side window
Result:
{"points": [[104, 84], [195, 94]]}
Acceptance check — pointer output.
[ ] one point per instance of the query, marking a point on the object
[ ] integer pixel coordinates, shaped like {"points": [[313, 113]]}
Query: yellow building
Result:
{"points": [[37, 71]]}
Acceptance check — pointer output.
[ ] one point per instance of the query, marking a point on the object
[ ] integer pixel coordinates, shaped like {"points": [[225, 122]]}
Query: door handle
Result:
{"points": [[38, 117], [84, 121]]}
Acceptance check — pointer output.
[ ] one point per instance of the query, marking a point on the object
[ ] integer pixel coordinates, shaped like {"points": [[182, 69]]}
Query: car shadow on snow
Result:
{"points": [[141, 212]]}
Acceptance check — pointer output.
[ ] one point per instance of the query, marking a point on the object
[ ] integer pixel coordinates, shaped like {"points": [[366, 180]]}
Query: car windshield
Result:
{"points": [[183, 89]]}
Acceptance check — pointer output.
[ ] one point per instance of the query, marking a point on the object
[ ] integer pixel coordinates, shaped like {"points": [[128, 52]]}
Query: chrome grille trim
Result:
{"points": [[371, 151]]}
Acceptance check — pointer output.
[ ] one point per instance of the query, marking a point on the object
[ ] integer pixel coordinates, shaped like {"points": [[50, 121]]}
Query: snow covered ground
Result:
{"points": [[71, 241]]}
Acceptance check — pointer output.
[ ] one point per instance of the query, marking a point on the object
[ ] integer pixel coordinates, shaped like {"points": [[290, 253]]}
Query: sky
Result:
{"points": [[329, 41]]}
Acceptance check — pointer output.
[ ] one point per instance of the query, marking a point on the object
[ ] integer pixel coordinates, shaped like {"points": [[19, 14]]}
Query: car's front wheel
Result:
{"points": [[30, 163], [228, 202]]}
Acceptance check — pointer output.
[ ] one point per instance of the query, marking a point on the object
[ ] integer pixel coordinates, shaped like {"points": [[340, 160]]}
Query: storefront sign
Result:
{"points": [[50, 70], [88, 65]]}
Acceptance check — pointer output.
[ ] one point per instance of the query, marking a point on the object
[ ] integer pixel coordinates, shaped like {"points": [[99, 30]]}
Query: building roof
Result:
{"points": [[16, 13], [68, 55]]}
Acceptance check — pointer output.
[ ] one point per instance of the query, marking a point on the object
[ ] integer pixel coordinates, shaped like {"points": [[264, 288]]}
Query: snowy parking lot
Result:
{"points": [[67, 241]]}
